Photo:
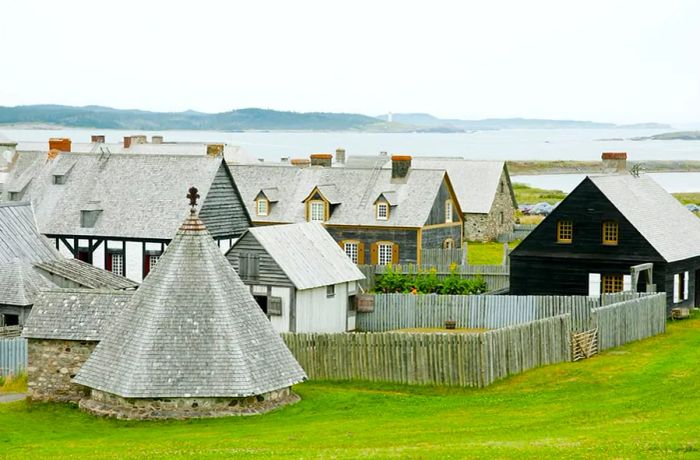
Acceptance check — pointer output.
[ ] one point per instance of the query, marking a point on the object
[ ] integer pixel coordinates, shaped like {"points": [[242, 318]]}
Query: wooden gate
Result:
{"points": [[584, 344]]}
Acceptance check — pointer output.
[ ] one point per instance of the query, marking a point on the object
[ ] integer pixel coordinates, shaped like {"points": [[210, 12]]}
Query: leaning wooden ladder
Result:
{"points": [[584, 344]]}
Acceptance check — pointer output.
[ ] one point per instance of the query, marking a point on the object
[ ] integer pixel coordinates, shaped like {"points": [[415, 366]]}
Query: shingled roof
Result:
{"points": [[660, 218], [137, 196], [352, 191], [85, 274], [191, 329], [19, 237], [74, 314], [20, 283]]}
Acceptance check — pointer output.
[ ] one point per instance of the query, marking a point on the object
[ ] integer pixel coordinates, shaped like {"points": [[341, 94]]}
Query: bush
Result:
{"points": [[392, 281]]}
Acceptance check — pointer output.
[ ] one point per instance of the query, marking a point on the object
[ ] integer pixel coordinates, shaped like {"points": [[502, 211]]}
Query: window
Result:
{"points": [[352, 250], [382, 211], [248, 265], [150, 259], [15, 196], [153, 260], [384, 253], [612, 283], [88, 218], [610, 232], [449, 243], [330, 290], [261, 208], [502, 187], [503, 218], [115, 263], [59, 179], [565, 231], [317, 211], [448, 211]]}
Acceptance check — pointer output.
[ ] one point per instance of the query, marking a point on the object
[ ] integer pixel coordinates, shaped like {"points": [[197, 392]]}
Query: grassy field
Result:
{"points": [[638, 401], [524, 194], [487, 253]]}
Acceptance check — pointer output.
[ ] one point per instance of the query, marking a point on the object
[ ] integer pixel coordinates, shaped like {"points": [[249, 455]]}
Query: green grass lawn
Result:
{"points": [[487, 253], [524, 194], [638, 401]]}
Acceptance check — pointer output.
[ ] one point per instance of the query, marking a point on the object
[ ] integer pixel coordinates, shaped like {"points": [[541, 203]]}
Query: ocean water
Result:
{"points": [[509, 144]]}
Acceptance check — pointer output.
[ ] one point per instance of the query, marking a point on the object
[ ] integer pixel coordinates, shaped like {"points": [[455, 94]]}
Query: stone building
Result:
{"points": [[191, 342]]}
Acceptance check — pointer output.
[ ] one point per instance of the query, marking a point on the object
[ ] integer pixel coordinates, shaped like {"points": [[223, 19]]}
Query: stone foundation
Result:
{"points": [[109, 405], [51, 366]]}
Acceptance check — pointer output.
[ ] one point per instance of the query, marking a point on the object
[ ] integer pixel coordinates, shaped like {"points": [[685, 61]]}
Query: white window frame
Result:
{"points": [[263, 210], [352, 250], [385, 208], [685, 285], [382, 250], [153, 260], [330, 291], [314, 207], [448, 211], [117, 263], [594, 284]]}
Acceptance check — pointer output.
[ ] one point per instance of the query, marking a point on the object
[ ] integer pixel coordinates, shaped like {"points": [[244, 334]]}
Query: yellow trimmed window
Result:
{"points": [[262, 207], [612, 284], [382, 211], [449, 243], [565, 231], [317, 211], [611, 232]]}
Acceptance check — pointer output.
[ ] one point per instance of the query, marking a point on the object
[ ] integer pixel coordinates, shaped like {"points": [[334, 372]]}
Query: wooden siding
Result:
{"points": [[407, 240], [437, 212], [434, 237], [223, 211], [269, 272]]}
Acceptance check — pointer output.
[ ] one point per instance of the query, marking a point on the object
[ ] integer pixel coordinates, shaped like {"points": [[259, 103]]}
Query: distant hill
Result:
{"points": [[678, 135], [424, 119]]}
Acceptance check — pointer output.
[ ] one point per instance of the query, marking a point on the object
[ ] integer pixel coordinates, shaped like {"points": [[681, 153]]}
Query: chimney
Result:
{"points": [[300, 162], [321, 159], [614, 162], [127, 142], [284, 160], [400, 164], [215, 150], [156, 139], [62, 144], [340, 155], [139, 139], [97, 139]]}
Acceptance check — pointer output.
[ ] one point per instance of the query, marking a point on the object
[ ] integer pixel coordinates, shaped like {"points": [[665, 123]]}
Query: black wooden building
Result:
{"points": [[607, 225]]}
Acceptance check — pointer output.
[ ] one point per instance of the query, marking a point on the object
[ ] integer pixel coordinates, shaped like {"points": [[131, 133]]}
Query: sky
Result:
{"points": [[614, 61]]}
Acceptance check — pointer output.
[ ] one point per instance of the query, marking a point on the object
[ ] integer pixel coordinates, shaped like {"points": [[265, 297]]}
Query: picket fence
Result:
{"points": [[461, 359], [13, 355]]}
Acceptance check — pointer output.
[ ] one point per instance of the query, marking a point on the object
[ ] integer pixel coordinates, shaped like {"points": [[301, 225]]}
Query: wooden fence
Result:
{"points": [[627, 321], [10, 331], [520, 231], [13, 355], [476, 359]]}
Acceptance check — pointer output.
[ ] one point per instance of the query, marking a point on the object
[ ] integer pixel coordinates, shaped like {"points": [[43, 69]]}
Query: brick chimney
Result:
{"points": [[62, 144], [156, 139], [321, 159], [215, 150], [400, 164], [127, 142], [614, 162], [340, 155], [300, 162], [97, 139]]}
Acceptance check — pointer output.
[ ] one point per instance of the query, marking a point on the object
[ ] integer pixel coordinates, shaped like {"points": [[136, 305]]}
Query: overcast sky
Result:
{"points": [[618, 61]]}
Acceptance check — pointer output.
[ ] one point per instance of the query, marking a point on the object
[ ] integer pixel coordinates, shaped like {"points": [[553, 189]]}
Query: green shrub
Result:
{"points": [[392, 281]]}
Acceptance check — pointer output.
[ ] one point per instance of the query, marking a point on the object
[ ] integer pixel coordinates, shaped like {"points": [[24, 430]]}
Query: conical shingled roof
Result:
{"points": [[191, 330]]}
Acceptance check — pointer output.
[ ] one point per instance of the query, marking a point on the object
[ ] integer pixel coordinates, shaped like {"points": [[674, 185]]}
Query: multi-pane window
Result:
{"points": [[565, 231], [261, 208], [382, 211], [317, 211], [384, 253], [352, 250], [449, 243], [330, 290], [117, 263], [448, 211], [611, 232], [153, 260], [612, 283]]}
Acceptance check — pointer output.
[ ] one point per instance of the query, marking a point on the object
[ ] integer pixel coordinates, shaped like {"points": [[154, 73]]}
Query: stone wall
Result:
{"points": [[487, 227], [51, 366], [110, 405]]}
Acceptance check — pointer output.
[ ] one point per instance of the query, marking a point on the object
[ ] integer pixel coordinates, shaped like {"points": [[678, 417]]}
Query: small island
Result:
{"points": [[678, 135]]}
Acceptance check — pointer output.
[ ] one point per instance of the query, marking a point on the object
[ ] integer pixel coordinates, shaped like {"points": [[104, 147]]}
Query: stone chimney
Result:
{"points": [[340, 155], [400, 164], [300, 162], [156, 139], [215, 150], [614, 162], [321, 159], [62, 144], [97, 139], [139, 139]]}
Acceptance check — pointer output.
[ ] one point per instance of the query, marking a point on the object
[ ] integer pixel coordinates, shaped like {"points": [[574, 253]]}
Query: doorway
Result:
{"points": [[262, 302]]}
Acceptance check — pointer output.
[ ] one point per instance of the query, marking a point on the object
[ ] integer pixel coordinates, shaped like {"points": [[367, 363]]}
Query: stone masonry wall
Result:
{"points": [[110, 405], [52, 364], [487, 227]]}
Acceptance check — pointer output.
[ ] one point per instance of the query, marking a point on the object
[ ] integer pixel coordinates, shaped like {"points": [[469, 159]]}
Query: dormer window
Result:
{"points": [[382, 211], [317, 211], [88, 218], [262, 207], [448, 211]]}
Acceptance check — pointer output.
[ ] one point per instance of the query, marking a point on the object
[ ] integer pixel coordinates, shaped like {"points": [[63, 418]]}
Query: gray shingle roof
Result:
{"points": [[665, 223], [85, 274], [20, 283], [307, 254], [414, 196], [191, 329], [139, 194], [74, 314], [19, 237]]}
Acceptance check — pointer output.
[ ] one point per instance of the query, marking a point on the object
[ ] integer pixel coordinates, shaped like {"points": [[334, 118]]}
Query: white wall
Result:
{"points": [[134, 261], [63, 249], [98, 256], [281, 323], [318, 313]]}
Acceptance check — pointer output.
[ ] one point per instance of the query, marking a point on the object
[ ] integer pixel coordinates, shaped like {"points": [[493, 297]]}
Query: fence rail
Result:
{"points": [[10, 331], [13, 355]]}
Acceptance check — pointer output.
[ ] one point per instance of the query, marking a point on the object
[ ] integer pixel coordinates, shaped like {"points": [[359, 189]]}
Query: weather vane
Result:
{"points": [[636, 170], [193, 195]]}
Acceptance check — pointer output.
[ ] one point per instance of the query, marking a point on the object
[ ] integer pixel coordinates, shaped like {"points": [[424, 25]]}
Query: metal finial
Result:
{"points": [[636, 170], [193, 195]]}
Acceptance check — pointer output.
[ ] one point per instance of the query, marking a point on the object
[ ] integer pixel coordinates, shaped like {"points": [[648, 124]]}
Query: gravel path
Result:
{"points": [[10, 397]]}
